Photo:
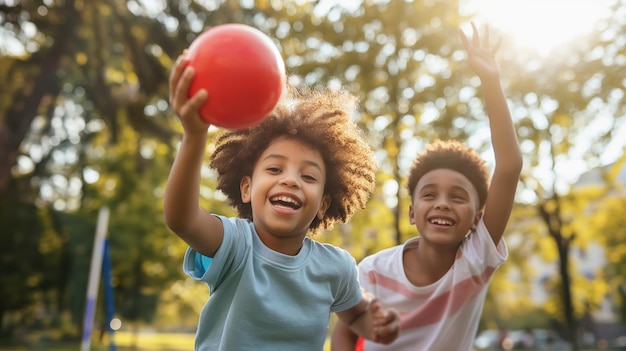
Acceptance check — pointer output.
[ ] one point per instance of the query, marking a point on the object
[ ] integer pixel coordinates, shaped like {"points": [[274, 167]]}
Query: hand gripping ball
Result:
{"points": [[242, 71]]}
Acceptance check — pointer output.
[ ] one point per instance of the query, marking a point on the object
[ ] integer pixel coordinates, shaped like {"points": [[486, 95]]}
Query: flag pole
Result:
{"points": [[94, 277]]}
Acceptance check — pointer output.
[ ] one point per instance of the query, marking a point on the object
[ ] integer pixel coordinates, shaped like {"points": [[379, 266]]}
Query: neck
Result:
{"points": [[427, 263]]}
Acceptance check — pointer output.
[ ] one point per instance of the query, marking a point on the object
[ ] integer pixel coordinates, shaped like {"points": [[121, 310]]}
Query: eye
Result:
{"points": [[457, 197], [428, 196], [309, 178], [273, 170]]}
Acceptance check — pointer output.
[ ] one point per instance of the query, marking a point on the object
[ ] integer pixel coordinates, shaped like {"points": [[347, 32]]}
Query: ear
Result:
{"points": [[411, 220], [244, 188], [323, 206], [477, 218]]}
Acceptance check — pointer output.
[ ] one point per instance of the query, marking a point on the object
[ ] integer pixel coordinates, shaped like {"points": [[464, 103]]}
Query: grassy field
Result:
{"points": [[124, 341], [156, 341], [144, 341]]}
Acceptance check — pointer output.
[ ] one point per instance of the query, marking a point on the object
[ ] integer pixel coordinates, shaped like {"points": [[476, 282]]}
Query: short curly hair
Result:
{"points": [[323, 120], [452, 155]]}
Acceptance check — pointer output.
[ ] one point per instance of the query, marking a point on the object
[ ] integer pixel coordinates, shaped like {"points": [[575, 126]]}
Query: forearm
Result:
{"points": [[360, 319], [503, 136], [369, 320], [181, 201], [363, 325], [343, 338], [508, 161]]}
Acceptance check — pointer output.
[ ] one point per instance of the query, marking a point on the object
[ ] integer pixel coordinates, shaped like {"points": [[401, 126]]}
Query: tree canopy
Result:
{"points": [[86, 123]]}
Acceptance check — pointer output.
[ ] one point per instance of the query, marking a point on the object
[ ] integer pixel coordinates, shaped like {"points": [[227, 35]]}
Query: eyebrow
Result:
{"points": [[454, 187], [283, 157]]}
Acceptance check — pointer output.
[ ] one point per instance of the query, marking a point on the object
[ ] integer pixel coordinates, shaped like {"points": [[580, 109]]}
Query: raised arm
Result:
{"points": [[181, 207], [508, 158]]}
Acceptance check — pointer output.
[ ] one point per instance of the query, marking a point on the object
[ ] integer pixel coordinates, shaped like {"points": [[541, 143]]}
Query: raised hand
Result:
{"points": [[186, 108], [481, 55]]}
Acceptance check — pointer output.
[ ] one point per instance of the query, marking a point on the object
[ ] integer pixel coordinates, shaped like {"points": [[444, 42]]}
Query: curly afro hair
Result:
{"points": [[323, 120], [455, 156]]}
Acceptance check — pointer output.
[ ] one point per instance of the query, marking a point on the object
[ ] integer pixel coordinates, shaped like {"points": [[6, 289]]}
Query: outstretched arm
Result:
{"points": [[367, 319], [181, 208], [343, 338], [508, 157]]}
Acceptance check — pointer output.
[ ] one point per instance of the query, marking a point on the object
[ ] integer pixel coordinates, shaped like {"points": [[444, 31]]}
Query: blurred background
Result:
{"points": [[86, 128]]}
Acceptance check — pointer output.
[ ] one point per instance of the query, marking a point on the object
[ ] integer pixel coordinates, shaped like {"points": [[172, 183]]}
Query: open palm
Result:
{"points": [[482, 56]]}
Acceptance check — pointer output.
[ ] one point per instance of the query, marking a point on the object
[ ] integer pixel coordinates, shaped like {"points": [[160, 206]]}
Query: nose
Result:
{"points": [[442, 204], [290, 179]]}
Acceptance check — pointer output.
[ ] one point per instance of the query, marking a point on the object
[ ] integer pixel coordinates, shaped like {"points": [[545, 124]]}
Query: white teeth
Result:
{"points": [[286, 199], [440, 221]]}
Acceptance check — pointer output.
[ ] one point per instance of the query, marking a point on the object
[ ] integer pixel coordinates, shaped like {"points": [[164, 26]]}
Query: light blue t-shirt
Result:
{"points": [[261, 299]]}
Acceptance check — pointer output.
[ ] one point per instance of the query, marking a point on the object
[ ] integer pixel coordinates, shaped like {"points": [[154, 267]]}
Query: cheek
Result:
{"points": [[473, 215], [314, 190]]}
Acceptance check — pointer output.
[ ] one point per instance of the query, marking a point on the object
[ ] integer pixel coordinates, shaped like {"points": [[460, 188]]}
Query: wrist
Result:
{"points": [[361, 313], [195, 137], [490, 79]]}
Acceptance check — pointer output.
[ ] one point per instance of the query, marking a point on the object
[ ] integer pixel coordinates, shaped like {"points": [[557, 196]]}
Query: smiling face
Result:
{"points": [[445, 207], [286, 191]]}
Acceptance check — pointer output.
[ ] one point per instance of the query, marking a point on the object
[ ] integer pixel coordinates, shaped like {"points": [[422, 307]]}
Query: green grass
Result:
{"points": [[124, 340]]}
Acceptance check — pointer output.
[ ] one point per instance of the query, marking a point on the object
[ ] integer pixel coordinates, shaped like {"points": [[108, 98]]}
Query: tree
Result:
{"points": [[79, 81], [570, 109], [85, 106], [607, 224]]}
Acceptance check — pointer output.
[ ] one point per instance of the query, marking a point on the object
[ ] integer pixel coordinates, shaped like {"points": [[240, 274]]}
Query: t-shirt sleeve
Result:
{"points": [[363, 268], [213, 270], [199, 266], [350, 292], [482, 248]]}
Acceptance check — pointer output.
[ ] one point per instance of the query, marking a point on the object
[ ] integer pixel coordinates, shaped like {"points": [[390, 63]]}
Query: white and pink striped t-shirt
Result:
{"points": [[442, 316]]}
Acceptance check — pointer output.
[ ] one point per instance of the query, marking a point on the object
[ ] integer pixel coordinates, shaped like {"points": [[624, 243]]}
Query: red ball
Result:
{"points": [[242, 71]]}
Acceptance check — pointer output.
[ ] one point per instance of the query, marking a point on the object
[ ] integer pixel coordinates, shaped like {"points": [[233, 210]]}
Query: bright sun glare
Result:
{"points": [[540, 24]]}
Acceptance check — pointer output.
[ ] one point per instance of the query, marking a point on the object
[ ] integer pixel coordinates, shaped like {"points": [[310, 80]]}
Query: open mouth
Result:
{"points": [[286, 201], [440, 221]]}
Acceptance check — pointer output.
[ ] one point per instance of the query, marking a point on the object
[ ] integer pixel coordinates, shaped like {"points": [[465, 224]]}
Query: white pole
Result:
{"points": [[94, 277]]}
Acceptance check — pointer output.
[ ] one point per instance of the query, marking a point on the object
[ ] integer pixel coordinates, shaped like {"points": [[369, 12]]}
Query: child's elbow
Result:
{"points": [[174, 222], [515, 163], [518, 163]]}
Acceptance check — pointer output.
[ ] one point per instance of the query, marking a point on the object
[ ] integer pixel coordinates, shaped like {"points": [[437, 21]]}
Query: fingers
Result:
{"points": [[196, 101], [375, 306], [475, 36], [177, 71], [387, 325], [185, 106], [476, 42], [486, 37], [181, 89], [180, 101]]}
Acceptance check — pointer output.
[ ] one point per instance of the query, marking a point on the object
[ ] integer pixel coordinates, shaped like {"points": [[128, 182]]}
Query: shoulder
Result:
{"points": [[479, 246], [234, 226], [330, 251], [235, 221], [238, 236], [480, 234], [384, 257]]}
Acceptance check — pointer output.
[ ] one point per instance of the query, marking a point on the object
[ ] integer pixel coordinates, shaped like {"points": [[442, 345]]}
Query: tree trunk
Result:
{"points": [[27, 100], [567, 292], [551, 216]]}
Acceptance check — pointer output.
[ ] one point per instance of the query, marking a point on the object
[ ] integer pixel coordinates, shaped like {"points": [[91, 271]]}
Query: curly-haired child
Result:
{"points": [[438, 280], [300, 170]]}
